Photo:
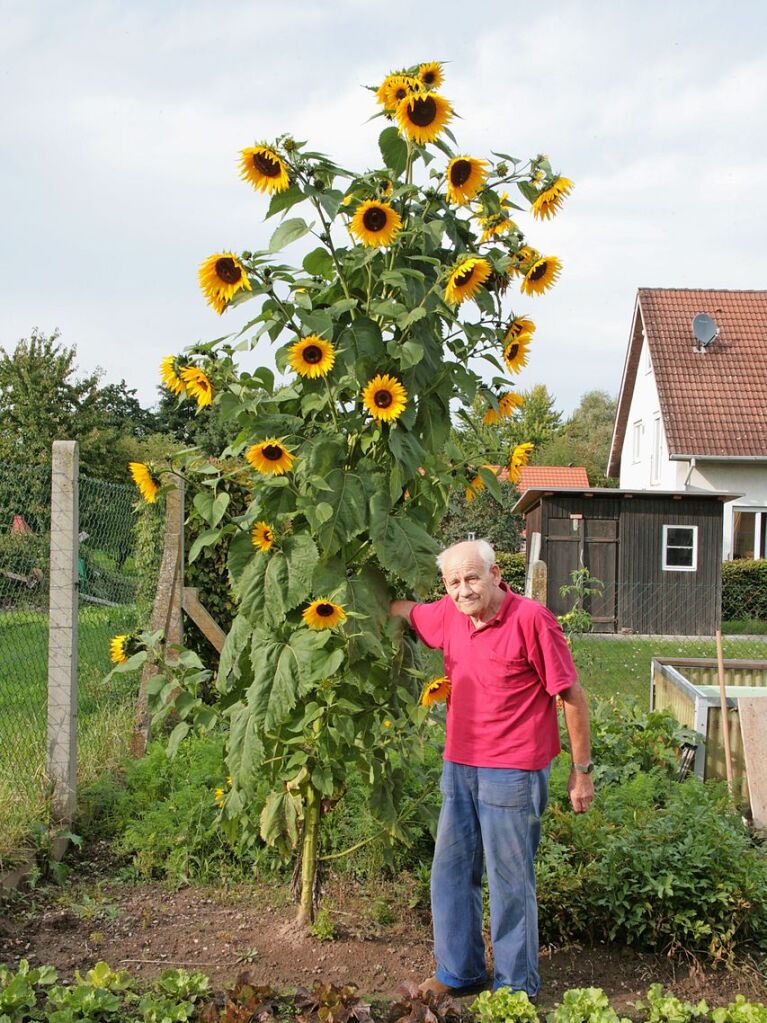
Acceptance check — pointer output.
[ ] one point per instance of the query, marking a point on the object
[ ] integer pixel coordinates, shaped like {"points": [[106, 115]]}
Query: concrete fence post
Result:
{"points": [[62, 632]]}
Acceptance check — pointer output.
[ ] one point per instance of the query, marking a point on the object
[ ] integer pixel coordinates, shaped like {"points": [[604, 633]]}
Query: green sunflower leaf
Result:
{"points": [[407, 450], [393, 150], [348, 502], [288, 576], [283, 201], [490, 480], [319, 263], [402, 546], [529, 191], [288, 231], [210, 536], [245, 751]]}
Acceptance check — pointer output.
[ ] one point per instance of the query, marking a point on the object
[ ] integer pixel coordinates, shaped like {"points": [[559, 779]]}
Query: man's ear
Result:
{"points": [[495, 572]]}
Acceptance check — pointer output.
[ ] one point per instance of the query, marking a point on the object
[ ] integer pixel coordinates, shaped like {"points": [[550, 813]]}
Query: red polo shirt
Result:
{"points": [[504, 678]]}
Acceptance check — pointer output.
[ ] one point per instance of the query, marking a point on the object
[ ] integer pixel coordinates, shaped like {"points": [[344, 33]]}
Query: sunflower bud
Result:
{"points": [[502, 169], [289, 144], [247, 255]]}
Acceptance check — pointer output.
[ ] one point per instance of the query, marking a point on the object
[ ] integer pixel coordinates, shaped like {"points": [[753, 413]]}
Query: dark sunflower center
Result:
{"points": [[511, 351], [402, 91], [460, 172], [429, 78], [268, 535], [463, 277], [273, 452], [325, 610], [383, 399], [423, 111], [538, 271], [227, 270], [267, 165], [312, 354], [374, 218]]}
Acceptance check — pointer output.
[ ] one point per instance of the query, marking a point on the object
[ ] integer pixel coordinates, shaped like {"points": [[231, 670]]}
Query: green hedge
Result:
{"points": [[512, 568], [744, 590]]}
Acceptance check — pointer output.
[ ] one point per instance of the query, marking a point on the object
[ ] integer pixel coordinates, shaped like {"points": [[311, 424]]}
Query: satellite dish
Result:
{"points": [[704, 330]]}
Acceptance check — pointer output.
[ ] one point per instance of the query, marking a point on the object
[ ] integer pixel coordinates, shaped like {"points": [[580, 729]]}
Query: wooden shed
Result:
{"points": [[658, 555]]}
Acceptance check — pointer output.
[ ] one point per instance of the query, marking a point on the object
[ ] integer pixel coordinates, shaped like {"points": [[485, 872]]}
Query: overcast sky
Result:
{"points": [[121, 123]]}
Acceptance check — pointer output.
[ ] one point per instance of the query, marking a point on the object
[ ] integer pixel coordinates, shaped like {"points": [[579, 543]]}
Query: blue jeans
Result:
{"points": [[493, 814]]}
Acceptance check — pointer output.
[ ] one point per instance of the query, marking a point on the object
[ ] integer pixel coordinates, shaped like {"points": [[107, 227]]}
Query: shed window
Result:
{"points": [[680, 548]]}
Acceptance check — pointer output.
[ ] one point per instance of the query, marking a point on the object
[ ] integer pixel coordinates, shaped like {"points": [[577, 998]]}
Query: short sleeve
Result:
{"points": [[428, 620], [547, 651]]}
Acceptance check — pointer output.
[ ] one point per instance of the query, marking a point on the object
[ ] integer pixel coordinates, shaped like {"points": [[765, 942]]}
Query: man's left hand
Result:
{"points": [[581, 790]]}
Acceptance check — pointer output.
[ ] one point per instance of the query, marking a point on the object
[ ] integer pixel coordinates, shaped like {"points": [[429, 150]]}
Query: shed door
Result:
{"points": [[589, 543]]}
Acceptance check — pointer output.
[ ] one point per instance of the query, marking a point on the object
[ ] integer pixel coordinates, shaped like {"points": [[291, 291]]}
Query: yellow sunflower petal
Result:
{"points": [[262, 536], [197, 385], [117, 649], [466, 278], [422, 117], [384, 397], [270, 457], [507, 405], [431, 75], [323, 614], [145, 480], [221, 277], [375, 223], [264, 169], [541, 276], [465, 178], [395, 88], [520, 457], [312, 356], [435, 691]]}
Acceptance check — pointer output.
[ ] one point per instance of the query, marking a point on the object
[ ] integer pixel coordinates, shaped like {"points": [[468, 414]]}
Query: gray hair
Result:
{"points": [[482, 547]]}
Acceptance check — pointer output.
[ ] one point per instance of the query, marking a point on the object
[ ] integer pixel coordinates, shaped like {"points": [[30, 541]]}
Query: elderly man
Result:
{"points": [[507, 661]]}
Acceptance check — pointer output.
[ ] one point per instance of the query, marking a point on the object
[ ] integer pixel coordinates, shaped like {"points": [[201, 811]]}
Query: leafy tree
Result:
{"points": [[485, 517], [351, 461], [43, 399], [585, 438]]}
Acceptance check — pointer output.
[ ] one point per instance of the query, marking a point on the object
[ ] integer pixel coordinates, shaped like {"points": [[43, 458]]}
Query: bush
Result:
{"points": [[512, 568], [744, 590]]}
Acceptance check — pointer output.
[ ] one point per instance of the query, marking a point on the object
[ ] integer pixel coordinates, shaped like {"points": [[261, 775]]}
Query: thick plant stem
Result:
{"points": [[309, 850]]}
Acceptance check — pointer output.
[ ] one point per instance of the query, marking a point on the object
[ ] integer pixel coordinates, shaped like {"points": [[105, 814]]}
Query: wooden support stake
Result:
{"points": [[202, 618], [725, 716]]}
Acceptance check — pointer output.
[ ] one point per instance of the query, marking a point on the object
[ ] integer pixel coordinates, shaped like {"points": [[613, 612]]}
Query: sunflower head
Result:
{"points": [[395, 88], [508, 403], [465, 177], [422, 117], [264, 169], [519, 325], [270, 457], [541, 275], [551, 197], [262, 536], [520, 457], [221, 277], [169, 371], [123, 647], [312, 356], [474, 489], [435, 691], [146, 479], [430, 75], [323, 614], [197, 385], [523, 259], [375, 223], [384, 397], [515, 352], [466, 278]]}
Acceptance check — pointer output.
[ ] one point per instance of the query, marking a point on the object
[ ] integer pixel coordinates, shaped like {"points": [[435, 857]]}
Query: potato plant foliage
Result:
{"points": [[380, 332]]}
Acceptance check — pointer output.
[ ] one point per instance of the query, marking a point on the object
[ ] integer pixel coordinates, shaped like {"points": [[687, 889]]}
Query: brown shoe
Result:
{"points": [[438, 990]]}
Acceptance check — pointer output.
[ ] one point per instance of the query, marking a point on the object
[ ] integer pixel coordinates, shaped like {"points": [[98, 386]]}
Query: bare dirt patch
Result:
{"points": [[147, 928]]}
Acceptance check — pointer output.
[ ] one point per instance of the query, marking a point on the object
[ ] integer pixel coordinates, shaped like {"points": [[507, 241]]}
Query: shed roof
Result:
{"points": [[714, 403], [531, 497]]}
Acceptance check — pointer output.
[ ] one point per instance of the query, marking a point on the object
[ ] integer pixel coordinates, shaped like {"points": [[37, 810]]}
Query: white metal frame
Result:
{"points": [[680, 568]]}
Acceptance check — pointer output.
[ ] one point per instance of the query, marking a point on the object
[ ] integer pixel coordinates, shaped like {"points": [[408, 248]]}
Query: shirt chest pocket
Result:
{"points": [[505, 672]]}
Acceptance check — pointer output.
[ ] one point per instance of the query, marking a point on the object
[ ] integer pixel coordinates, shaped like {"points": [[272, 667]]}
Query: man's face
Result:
{"points": [[473, 587]]}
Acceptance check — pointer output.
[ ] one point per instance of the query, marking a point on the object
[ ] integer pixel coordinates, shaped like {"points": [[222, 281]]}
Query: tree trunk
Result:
{"points": [[309, 853]]}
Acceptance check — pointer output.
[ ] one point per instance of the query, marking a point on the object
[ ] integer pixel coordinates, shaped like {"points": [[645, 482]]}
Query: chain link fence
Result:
{"points": [[106, 581]]}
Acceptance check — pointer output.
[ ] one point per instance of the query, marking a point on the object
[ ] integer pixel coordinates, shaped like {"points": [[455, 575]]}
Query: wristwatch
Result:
{"points": [[584, 768]]}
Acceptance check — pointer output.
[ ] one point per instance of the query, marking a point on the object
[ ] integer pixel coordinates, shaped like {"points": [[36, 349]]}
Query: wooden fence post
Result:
{"points": [[166, 612], [62, 632]]}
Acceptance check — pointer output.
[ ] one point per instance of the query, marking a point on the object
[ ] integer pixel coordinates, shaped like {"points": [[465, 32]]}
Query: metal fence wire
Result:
{"points": [[107, 583]]}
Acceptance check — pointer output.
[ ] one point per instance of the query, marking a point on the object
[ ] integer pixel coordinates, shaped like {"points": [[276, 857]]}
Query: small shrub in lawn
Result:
{"points": [[744, 590], [324, 928]]}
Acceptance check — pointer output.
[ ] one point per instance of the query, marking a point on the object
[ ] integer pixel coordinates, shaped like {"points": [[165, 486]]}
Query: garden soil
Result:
{"points": [[147, 928]]}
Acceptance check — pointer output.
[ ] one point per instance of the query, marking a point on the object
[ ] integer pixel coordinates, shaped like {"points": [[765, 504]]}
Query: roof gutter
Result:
{"points": [[689, 472], [718, 458]]}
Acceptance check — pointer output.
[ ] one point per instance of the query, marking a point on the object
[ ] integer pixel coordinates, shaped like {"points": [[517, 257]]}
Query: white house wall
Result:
{"points": [[636, 474], [749, 479]]}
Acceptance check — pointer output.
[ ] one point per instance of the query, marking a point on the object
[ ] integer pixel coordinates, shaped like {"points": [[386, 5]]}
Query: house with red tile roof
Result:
{"points": [[692, 411], [543, 477]]}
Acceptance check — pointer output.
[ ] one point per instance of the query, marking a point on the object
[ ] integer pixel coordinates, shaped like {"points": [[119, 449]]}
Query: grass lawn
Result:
{"points": [[104, 711]]}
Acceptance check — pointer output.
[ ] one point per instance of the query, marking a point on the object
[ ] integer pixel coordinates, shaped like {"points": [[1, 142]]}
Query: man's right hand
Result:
{"points": [[401, 609]]}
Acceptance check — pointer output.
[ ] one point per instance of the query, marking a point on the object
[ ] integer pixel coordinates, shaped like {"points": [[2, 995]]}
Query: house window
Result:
{"points": [[655, 453], [749, 533], [680, 548], [636, 441]]}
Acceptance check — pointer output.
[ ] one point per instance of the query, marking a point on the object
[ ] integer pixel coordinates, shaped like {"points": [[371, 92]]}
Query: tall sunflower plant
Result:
{"points": [[403, 293]]}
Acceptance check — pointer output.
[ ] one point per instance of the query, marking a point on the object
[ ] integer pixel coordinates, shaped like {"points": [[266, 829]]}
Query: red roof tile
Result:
{"points": [[713, 403], [540, 477]]}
